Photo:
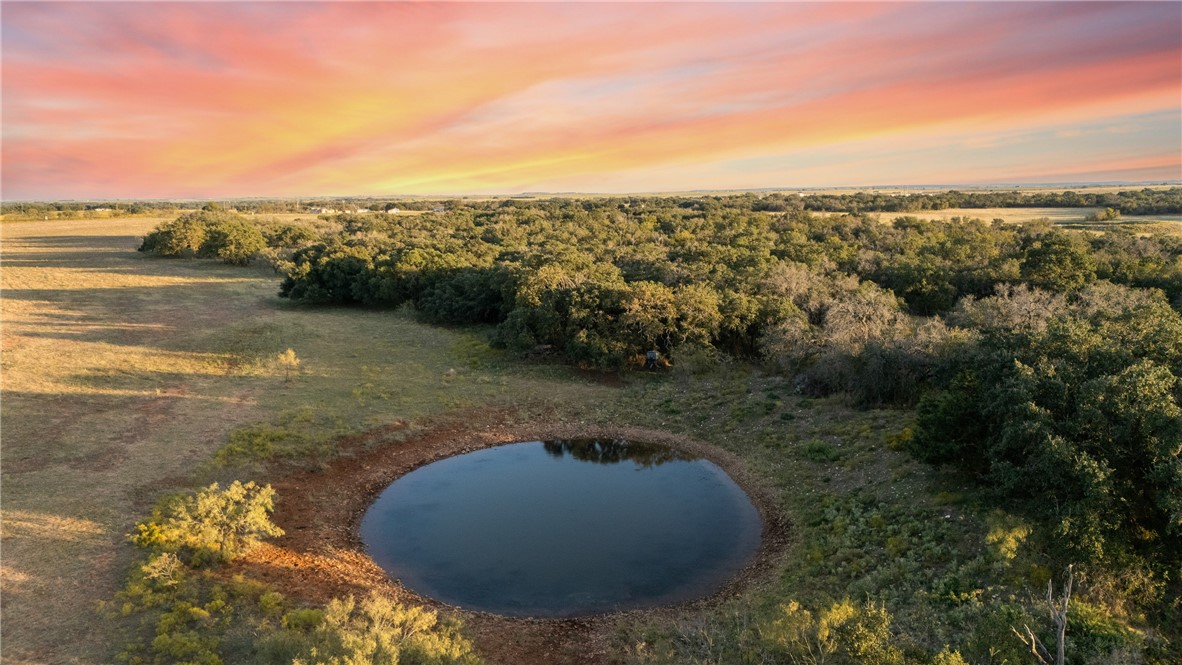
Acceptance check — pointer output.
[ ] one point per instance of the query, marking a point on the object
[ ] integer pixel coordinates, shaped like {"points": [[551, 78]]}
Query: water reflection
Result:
{"points": [[614, 451]]}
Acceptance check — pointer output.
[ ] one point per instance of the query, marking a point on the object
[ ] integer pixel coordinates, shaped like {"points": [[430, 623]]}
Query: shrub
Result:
{"points": [[379, 631], [843, 632], [819, 451], [183, 236], [234, 241], [207, 233], [213, 524]]}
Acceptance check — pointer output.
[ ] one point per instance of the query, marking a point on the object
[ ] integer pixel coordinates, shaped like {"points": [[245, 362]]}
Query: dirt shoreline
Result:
{"points": [[322, 556]]}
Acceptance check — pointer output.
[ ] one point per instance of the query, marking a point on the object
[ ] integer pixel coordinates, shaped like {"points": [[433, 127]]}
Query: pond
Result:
{"points": [[564, 528]]}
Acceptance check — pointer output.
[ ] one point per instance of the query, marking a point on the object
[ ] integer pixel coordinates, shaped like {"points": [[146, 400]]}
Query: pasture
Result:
{"points": [[1077, 218]]}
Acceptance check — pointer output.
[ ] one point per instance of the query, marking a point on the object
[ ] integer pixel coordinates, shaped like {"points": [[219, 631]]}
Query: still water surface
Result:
{"points": [[563, 528]]}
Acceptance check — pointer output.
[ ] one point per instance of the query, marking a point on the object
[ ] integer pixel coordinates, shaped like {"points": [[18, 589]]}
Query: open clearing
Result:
{"points": [[1072, 217], [124, 374], [1055, 215]]}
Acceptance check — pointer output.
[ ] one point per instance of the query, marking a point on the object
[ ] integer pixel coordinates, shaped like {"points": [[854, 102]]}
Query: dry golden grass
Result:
{"points": [[1068, 217], [122, 374], [1055, 215]]}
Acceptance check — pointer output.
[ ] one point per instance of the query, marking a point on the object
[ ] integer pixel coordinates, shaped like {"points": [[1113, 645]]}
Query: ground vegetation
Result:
{"points": [[948, 413]]}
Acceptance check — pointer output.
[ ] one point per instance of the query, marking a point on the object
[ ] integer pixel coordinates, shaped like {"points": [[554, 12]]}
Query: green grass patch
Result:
{"points": [[296, 434], [819, 451]]}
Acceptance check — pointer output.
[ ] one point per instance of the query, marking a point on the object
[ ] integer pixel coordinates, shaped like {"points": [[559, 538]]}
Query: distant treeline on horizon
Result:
{"points": [[1143, 201]]}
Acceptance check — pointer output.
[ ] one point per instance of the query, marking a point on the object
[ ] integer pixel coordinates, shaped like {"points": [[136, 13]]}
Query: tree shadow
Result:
{"points": [[163, 316]]}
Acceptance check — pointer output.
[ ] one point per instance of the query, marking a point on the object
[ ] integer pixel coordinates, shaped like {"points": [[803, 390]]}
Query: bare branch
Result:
{"points": [[1036, 647]]}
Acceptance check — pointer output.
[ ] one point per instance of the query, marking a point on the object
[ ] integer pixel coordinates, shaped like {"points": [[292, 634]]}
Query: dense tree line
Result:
{"points": [[1145, 201], [603, 280], [97, 208], [85, 209]]}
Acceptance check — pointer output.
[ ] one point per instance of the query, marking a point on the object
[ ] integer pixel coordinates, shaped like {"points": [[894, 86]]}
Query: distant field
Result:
{"points": [[1071, 217], [1056, 215]]}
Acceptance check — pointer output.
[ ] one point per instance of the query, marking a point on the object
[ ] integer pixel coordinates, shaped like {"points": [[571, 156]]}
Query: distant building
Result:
{"points": [[438, 209]]}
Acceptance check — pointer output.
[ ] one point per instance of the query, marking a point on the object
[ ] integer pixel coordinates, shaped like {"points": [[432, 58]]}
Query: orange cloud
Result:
{"points": [[176, 99]]}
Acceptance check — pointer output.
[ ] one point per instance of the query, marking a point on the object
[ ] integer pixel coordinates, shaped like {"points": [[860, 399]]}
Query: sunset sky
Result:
{"points": [[159, 100]]}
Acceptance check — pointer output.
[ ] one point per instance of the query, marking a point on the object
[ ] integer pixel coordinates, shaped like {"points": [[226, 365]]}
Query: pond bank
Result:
{"points": [[321, 556]]}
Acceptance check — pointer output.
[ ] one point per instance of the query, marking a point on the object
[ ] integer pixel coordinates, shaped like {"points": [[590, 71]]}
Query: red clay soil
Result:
{"points": [[321, 556]]}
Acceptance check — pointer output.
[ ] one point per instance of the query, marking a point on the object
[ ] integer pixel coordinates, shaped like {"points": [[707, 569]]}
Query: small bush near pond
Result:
{"points": [[212, 525], [820, 452]]}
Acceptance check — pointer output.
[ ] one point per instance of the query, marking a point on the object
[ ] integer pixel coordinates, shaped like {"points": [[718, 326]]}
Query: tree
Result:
{"points": [[1105, 215], [1013, 308], [1058, 262], [1076, 426], [650, 314], [860, 316], [183, 236], [698, 315], [234, 242], [213, 523]]}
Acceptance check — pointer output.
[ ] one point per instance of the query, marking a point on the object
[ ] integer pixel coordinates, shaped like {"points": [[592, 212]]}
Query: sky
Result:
{"points": [[239, 99]]}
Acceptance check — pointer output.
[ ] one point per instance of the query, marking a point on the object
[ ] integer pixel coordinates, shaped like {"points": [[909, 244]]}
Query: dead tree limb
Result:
{"points": [[1058, 610], [1037, 650]]}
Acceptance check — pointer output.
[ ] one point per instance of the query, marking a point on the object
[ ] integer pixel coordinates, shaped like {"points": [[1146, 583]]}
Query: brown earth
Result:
{"points": [[321, 556]]}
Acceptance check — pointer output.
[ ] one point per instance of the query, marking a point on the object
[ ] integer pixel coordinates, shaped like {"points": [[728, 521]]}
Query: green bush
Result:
{"points": [[1094, 636], [378, 631], [213, 524], [820, 452], [216, 233], [232, 241], [183, 236], [842, 633], [1076, 426]]}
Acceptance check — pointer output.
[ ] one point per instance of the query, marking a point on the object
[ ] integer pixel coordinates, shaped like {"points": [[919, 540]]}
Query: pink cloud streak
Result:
{"points": [[187, 99]]}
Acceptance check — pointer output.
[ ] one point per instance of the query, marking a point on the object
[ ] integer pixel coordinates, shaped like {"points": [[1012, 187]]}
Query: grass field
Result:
{"points": [[1070, 217]]}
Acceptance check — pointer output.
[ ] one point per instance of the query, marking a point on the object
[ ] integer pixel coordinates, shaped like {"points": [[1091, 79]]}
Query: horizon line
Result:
{"points": [[699, 190]]}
